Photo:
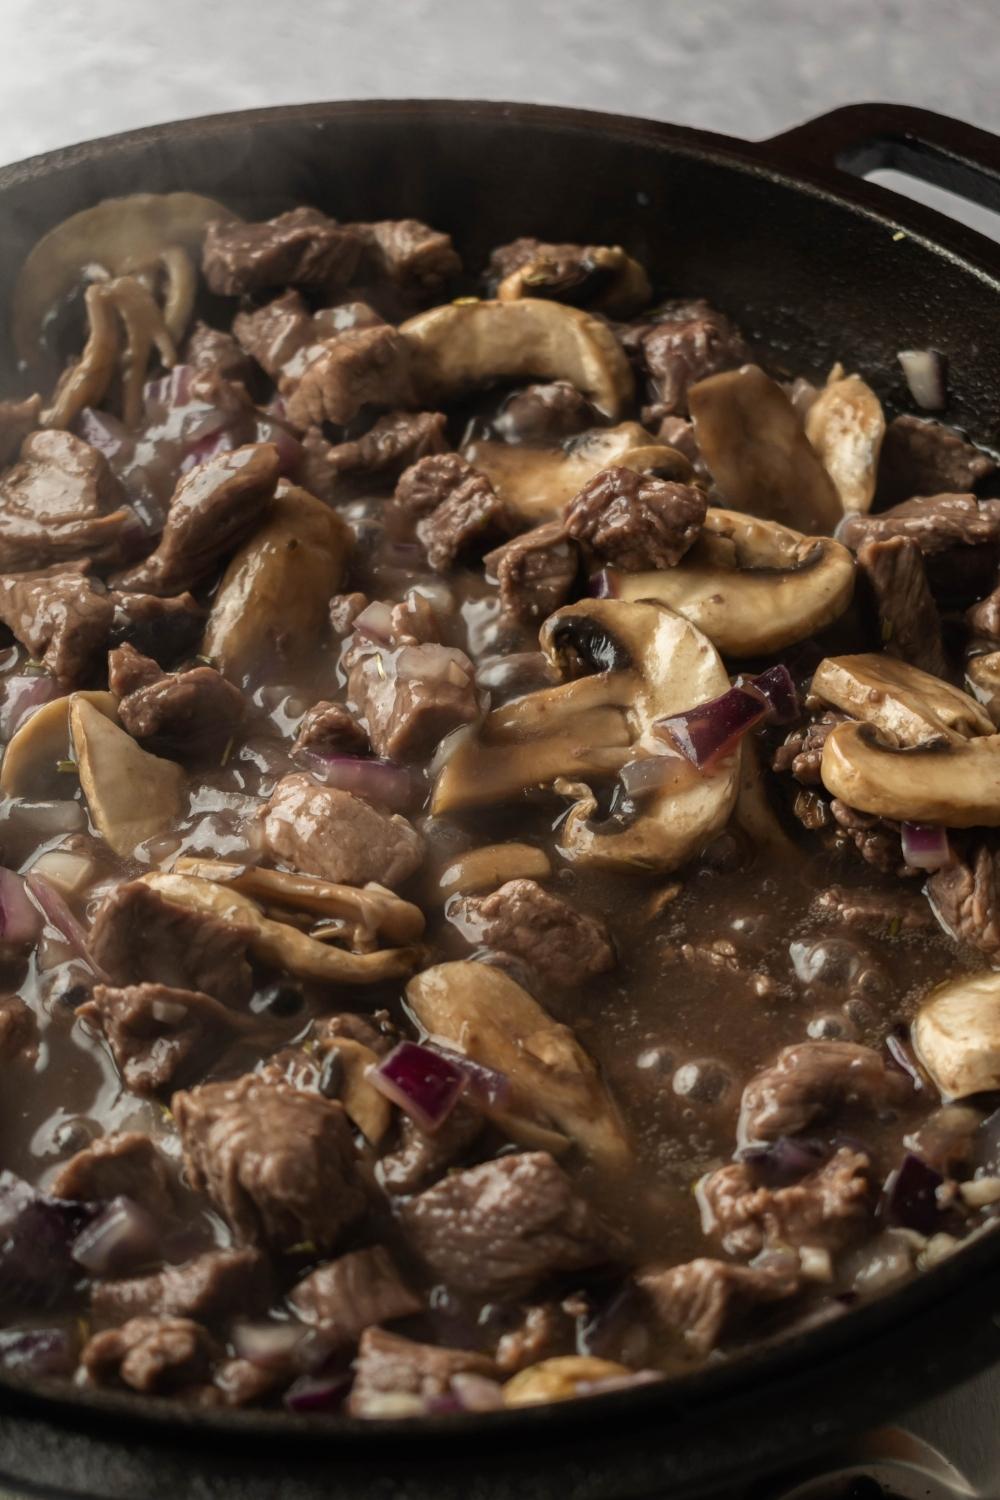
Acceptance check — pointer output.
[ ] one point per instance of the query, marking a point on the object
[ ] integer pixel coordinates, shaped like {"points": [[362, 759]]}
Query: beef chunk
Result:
{"points": [[688, 342], [881, 912], [278, 1162], [390, 444], [500, 1228], [564, 947], [702, 1300], [455, 507], [344, 610], [214, 509], [408, 254], [983, 619], [536, 571], [545, 414], [965, 898], [330, 729], [193, 712], [388, 1365], [118, 1166], [210, 350], [61, 616], [160, 1037], [813, 1080], [333, 834], [59, 502], [936, 523], [544, 1331], [802, 750], [909, 623], [827, 1210], [138, 936], [18, 1029], [636, 521], [299, 248], [332, 380], [275, 333], [419, 1158], [346, 1296], [152, 1355], [411, 697], [17, 419], [164, 629], [876, 839], [210, 1288], [923, 457]]}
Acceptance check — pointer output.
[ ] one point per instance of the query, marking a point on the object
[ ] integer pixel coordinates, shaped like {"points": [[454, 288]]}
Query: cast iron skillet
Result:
{"points": [[815, 264]]}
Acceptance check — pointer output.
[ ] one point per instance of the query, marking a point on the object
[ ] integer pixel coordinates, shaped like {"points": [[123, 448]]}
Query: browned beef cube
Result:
{"points": [[455, 507], [299, 248], [876, 839], [636, 521], [544, 1332], [500, 1228], [909, 623], [152, 1355], [164, 629], [119, 1166], [209, 1288], [408, 254], [390, 1366], [214, 508], [138, 936], [275, 333], [61, 616], [811, 1081], [330, 729], [332, 380], [344, 610], [389, 445], [58, 503], [687, 343], [965, 898], [278, 1162], [348, 1295], [333, 834], [211, 350], [413, 696], [545, 414], [878, 912], [160, 1037], [826, 1210], [935, 522], [536, 571], [702, 1300], [191, 713], [802, 750], [562, 945], [419, 1158], [923, 457], [18, 1029]]}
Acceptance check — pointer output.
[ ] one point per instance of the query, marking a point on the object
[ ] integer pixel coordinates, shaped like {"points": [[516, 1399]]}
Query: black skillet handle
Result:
{"points": [[861, 138]]}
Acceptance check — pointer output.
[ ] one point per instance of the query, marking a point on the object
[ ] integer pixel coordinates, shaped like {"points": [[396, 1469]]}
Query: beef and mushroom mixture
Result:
{"points": [[499, 890]]}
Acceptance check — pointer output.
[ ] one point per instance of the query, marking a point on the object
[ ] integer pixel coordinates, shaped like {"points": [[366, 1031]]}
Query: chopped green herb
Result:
{"points": [[66, 767], [899, 235], [885, 629], [464, 301], [304, 1247], [206, 661], [894, 926]]}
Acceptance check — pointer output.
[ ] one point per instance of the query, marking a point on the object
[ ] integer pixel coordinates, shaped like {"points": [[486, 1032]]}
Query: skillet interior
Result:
{"points": [[811, 276]]}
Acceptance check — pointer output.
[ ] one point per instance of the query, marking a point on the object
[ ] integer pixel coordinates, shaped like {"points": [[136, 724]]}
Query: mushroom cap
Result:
{"points": [[957, 1035], [846, 425], [982, 674], [753, 586], [132, 795], [34, 751], [953, 782], [626, 285], [465, 344], [538, 483], [904, 702], [752, 439], [119, 235]]}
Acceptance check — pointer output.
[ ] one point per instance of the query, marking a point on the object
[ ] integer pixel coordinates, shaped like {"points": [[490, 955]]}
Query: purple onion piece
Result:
{"points": [[925, 846], [59, 916], [909, 1198], [271, 1345], [204, 448], [102, 431], [20, 920], [37, 1234], [655, 773], [777, 687], [23, 694], [123, 1237], [380, 781], [272, 430], [37, 1351], [317, 1393], [926, 375], [423, 1082], [619, 1382], [602, 585], [783, 1161], [712, 730]]}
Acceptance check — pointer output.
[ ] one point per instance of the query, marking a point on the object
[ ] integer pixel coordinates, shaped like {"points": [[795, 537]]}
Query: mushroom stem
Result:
{"points": [[180, 291]]}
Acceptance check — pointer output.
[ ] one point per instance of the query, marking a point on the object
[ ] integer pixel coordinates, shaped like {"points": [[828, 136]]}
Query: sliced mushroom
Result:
{"points": [[906, 704], [279, 945], [982, 675], [482, 1013], [34, 753], [756, 449], [132, 795], [466, 344], [487, 868], [948, 781], [143, 233], [624, 285], [368, 1108], [560, 1379], [752, 586], [273, 599], [538, 483], [846, 425], [957, 1035], [368, 911]]}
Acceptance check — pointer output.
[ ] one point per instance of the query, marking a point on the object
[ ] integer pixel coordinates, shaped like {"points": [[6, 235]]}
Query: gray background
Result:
{"points": [[71, 69]]}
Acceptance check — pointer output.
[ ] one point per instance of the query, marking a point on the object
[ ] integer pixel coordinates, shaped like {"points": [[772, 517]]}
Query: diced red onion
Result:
{"points": [[59, 916], [102, 431], [375, 621], [36, 1236], [488, 1085], [925, 847], [655, 773], [476, 1392], [926, 374], [314, 1394], [781, 1162], [37, 1351], [619, 1382], [22, 695], [423, 1082], [602, 585], [210, 446], [379, 781], [270, 1345], [909, 1198], [172, 389], [122, 1238], [777, 687], [712, 730], [20, 921], [269, 430]]}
